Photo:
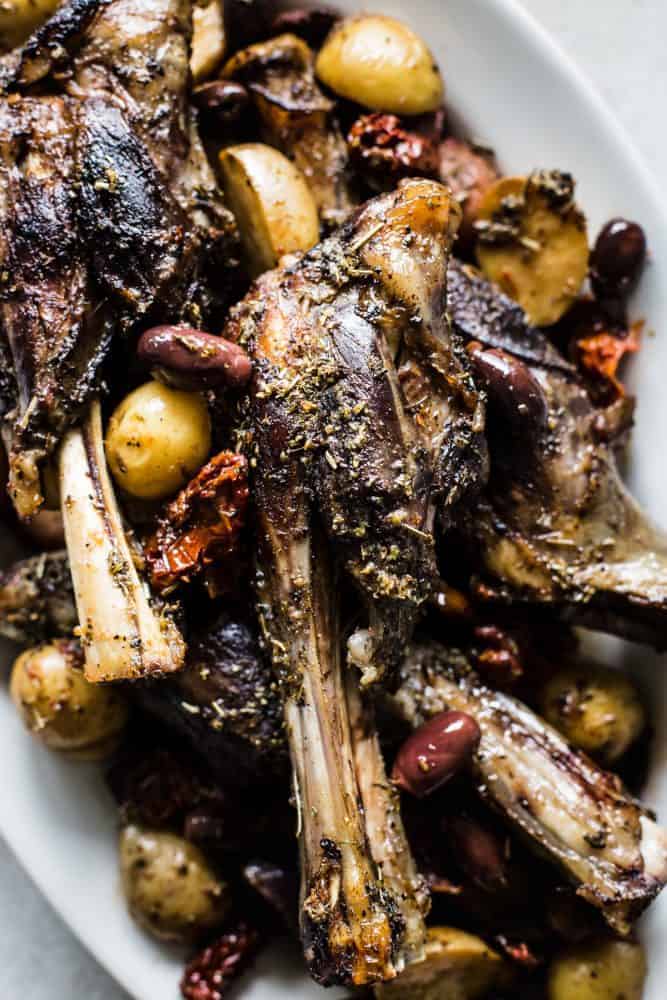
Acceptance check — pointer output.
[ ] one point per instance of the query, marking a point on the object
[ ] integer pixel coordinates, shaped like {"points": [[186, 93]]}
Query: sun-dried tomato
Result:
{"points": [[210, 974], [601, 353], [383, 151], [200, 530]]}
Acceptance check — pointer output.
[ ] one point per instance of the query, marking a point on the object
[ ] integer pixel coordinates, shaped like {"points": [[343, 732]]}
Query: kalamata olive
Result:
{"points": [[617, 259], [479, 851], [435, 752], [192, 359], [313, 24], [222, 102], [512, 387]]}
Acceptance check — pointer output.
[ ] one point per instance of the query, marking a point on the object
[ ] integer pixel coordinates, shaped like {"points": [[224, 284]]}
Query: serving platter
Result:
{"points": [[515, 91]]}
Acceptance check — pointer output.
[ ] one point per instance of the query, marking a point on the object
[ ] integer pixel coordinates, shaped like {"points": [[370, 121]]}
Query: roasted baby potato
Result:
{"points": [[596, 708], [61, 707], [602, 970], [170, 888], [456, 966], [382, 64], [18, 18], [208, 39], [297, 117], [532, 242], [157, 439], [271, 201]]}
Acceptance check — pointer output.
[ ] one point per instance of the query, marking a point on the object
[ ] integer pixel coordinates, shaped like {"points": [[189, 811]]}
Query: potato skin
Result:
{"points": [[380, 63], [19, 18], [61, 707], [532, 243], [157, 439], [596, 708], [271, 201], [171, 890], [602, 970]]}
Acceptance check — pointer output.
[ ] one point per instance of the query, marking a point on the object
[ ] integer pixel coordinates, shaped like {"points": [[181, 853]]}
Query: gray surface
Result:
{"points": [[620, 45]]}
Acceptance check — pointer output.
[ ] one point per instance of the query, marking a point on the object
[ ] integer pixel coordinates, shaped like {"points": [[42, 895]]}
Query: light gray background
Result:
{"points": [[620, 45]]}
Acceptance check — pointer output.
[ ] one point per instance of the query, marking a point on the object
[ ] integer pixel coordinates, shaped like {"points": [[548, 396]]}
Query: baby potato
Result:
{"points": [[596, 709], [382, 64], [61, 707], [456, 966], [602, 970], [271, 201], [208, 39], [171, 889], [157, 439], [532, 242], [18, 18]]}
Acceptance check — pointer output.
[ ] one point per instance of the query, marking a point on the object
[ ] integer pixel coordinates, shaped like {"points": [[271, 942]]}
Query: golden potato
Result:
{"points": [[271, 201], [208, 39], [602, 970], [19, 18], [532, 242], [382, 64], [171, 889], [61, 707], [456, 966], [596, 709], [157, 439]]}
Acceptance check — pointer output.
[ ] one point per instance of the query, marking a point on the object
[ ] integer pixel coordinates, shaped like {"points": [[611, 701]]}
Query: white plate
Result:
{"points": [[519, 93]]}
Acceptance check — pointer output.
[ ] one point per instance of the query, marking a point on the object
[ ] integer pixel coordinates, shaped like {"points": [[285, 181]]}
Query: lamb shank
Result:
{"points": [[556, 531], [110, 210], [362, 418]]}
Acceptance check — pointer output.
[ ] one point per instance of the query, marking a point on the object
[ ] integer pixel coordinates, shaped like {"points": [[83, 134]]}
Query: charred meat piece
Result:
{"points": [[568, 809], [224, 704], [363, 400], [36, 599], [110, 211], [56, 338], [297, 117], [556, 529], [335, 436]]}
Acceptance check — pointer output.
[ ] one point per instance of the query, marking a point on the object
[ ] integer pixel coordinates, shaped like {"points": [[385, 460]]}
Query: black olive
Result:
{"points": [[617, 260]]}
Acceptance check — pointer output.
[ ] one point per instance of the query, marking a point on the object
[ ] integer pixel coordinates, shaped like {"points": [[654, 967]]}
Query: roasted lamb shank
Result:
{"points": [[566, 807], [361, 419], [556, 529], [110, 211]]}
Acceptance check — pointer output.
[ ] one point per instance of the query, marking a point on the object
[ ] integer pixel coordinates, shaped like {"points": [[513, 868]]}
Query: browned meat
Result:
{"points": [[36, 599], [110, 212], [224, 704], [556, 529], [567, 808], [338, 434]]}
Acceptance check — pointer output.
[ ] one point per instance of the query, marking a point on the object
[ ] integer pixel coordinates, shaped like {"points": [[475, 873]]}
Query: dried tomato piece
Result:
{"points": [[383, 151], [210, 974], [201, 528], [601, 353]]}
